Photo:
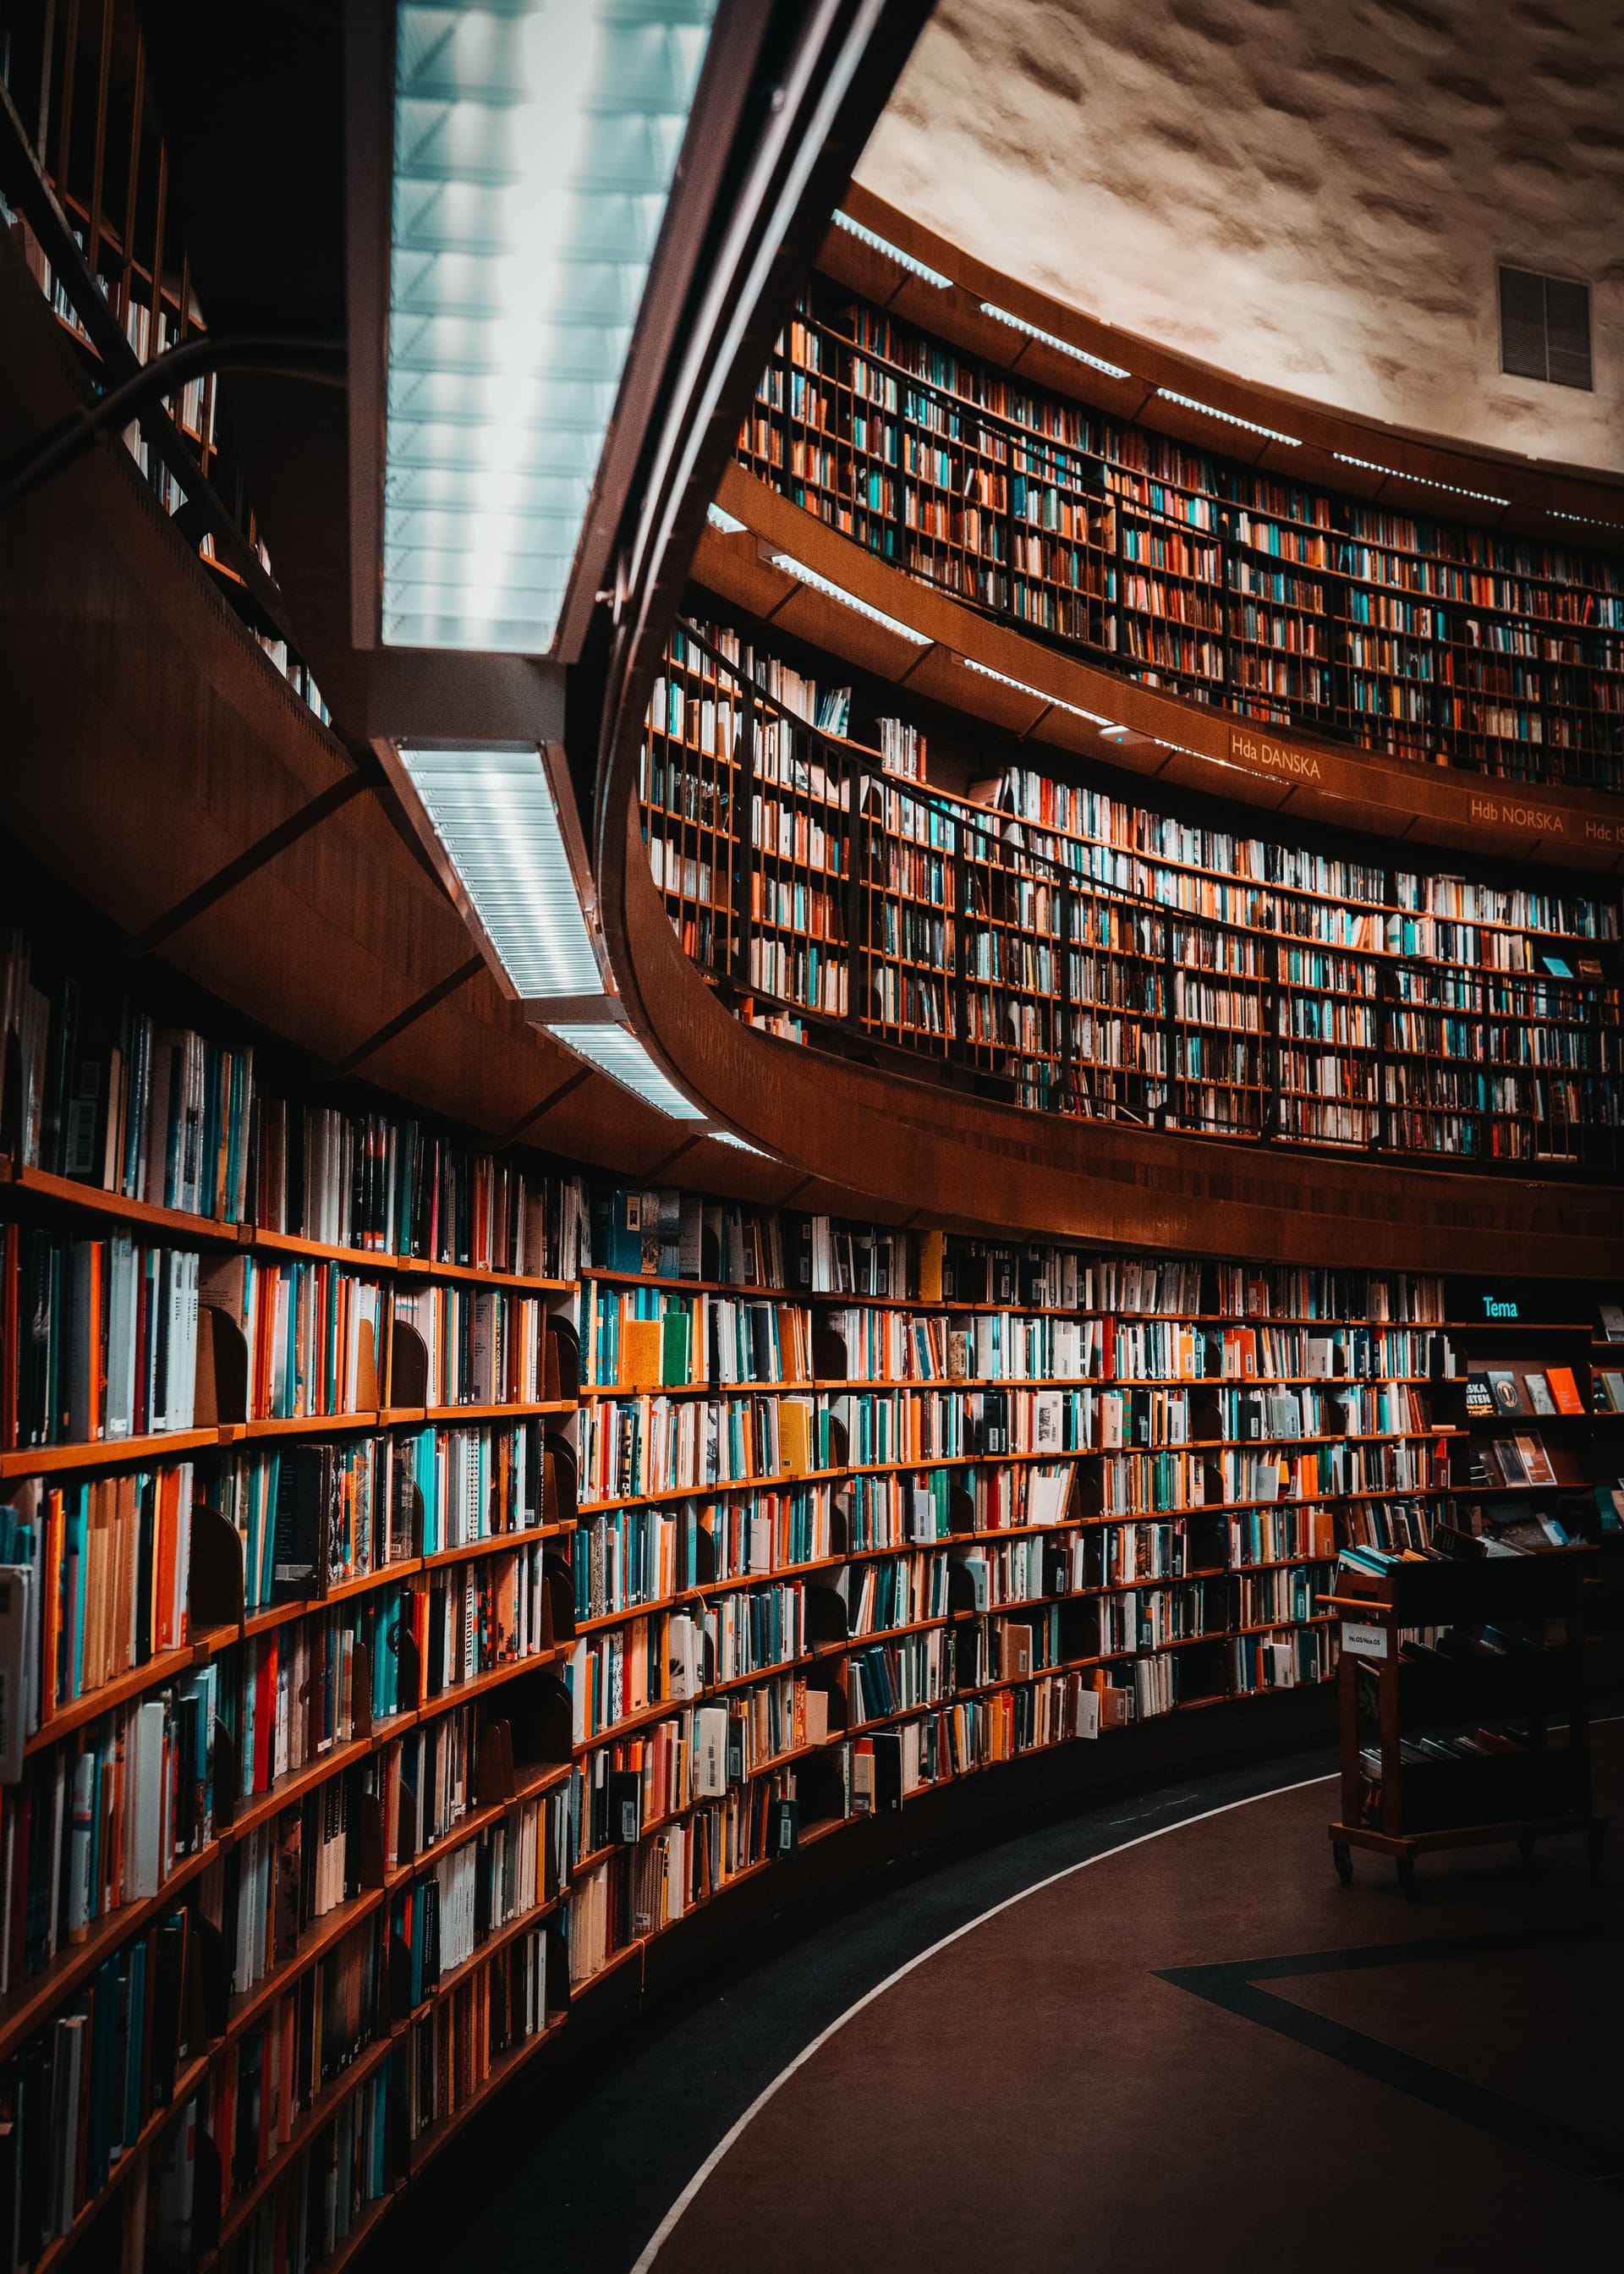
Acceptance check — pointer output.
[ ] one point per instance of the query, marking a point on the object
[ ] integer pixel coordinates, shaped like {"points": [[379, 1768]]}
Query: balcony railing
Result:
{"points": [[85, 194]]}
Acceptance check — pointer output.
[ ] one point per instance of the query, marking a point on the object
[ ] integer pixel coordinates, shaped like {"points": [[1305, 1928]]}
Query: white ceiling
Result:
{"points": [[1313, 193]]}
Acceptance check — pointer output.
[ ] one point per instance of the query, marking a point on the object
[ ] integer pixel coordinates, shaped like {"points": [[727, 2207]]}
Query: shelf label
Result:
{"points": [[1518, 813], [1253, 749], [1364, 1642]]}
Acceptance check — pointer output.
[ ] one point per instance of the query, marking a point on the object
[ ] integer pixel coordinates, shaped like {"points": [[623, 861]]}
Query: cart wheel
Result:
{"points": [[1594, 1845], [1406, 1869], [1525, 1848], [1343, 1857]]}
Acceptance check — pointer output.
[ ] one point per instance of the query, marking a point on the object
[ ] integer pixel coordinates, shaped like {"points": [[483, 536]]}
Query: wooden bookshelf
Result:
{"points": [[900, 1615], [1427, 638], [1078, 953]]}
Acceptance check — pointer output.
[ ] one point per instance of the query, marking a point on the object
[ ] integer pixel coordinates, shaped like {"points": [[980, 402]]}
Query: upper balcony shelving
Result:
{"points": [[1419, 637], [1064, 948]]}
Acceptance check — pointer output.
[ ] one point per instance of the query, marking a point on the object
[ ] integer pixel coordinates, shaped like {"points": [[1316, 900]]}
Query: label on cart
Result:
{"points": [[1364, 1642]]}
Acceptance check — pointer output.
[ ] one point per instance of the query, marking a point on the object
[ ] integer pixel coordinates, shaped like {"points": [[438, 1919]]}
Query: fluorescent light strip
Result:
{"points": [[1038, 694], [494, 812], [727, 1137], [1210, 411], [615, 1050], [793, 567], [1483, 497], [724, 521], [535, 146], [1052, 340], [1589, 519], [893, 252]]}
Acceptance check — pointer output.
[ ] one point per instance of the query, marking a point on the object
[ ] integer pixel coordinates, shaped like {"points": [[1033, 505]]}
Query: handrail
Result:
{"points": [[1170, 1081], [957, 808], [36, 172]]}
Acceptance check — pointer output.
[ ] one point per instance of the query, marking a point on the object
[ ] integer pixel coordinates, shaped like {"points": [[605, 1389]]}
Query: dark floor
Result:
{"points": [[1197, 2050]]}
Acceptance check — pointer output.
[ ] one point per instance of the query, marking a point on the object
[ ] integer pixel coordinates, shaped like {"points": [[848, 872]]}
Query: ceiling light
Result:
{"points": [[1114, 733], [1393, 474], [1209, 411], [1052, 340], [494, 812], [720, 519], [793, 567], [1589, 519], [1038, 694], [893, 252], [615, 1050], [727, 1137], [535, 144]]}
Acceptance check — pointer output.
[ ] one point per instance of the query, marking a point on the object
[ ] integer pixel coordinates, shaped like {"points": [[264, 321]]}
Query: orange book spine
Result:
{"points": [[167, 1544]]}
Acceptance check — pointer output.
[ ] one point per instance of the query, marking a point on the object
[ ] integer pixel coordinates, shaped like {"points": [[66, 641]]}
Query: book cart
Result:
{"points": [[1534, 1792]]}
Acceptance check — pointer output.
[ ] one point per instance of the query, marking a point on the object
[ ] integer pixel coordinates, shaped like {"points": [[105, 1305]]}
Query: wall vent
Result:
{"points": [[1545, 328]]}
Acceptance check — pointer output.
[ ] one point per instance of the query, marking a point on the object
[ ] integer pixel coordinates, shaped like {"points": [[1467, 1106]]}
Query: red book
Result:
{"points": [[1564, 1390], [265, 1714]]}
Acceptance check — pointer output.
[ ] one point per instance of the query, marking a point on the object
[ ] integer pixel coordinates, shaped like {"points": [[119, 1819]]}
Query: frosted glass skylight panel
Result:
{"points": [[494, 812], [616, 1051], [535, 146]]}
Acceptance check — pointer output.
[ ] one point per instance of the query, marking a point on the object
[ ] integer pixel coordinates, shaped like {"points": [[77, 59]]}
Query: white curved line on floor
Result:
{"points": [[668, 2225]]}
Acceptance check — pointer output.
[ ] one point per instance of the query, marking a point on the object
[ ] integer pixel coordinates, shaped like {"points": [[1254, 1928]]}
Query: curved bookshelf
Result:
{"points": [[436, 1765], [1092, 956], [830, 1517], [1378, 593]]}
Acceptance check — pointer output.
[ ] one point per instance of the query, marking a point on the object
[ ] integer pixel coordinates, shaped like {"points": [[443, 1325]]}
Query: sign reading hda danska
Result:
{"points": [[1248, 747], [1274, 758]]}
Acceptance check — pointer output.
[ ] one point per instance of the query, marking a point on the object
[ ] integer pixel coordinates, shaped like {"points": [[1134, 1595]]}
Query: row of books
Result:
{"points": [[1495, 1390], [841, 426], [640, 1339], [83, 2087], [368, 1181], [616, 1675], [311, 1517], [1095, 818], [100, 1340], [820, 1255], [94, 1089], [637, 1891], [100, 1821], [101, 1568], [455, 2047], [1132, 1483], [105, 1339]]}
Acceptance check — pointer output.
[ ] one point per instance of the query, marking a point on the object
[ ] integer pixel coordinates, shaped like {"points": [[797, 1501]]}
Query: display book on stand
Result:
{"points": [[1464, 1711]]}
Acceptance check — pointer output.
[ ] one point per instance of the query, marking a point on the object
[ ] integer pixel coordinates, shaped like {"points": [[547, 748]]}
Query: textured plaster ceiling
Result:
{"points": [[1311, 194]]}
